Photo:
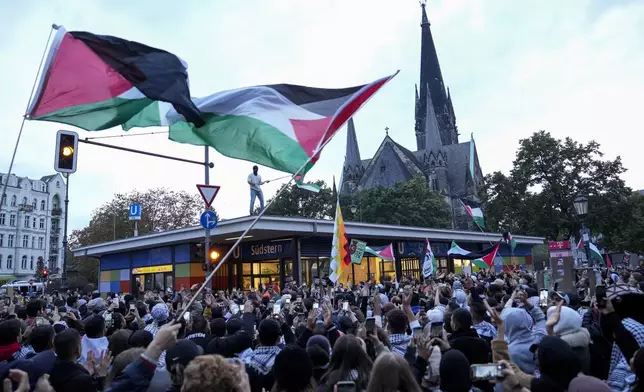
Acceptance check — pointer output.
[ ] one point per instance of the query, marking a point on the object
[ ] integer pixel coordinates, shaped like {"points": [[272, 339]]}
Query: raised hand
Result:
{"points": [[553, 319], [103, 363]]}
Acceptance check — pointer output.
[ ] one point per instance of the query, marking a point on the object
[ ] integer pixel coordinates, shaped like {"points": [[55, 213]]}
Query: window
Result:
{"points": [[1, 240], [23, 264], [12, 220], [32, 263], [57, 184], [35, 204], [4, 200], [14, 200], [33, 224], [2, 216], [0, 261], [33, 242], [25, 241], [9, 262], [40, 242], [54, 205], [27, 221], [10, 243], [24, 201], [42, 223], [42, 205]]}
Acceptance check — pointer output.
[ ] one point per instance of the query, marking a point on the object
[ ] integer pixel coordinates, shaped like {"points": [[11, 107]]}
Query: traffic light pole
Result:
{"points": [[207, 234], [64, 273]]}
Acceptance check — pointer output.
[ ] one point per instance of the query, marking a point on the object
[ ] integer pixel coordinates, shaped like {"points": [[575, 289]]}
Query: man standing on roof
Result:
{"points": [[254, 181]]}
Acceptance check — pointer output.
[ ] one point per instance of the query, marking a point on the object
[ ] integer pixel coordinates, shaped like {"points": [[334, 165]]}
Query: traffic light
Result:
{"points": [[214, 255], [45, 273], [66, 152]]}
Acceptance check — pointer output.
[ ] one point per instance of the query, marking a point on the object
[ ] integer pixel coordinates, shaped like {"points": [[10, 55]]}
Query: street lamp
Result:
{"points": [[581, 207], [354, 209]]}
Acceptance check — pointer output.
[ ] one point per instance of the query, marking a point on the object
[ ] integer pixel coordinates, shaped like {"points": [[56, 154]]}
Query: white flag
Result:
{"points": [[428, 262]]}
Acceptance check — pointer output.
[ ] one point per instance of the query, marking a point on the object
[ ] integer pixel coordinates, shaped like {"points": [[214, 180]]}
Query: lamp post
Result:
{"points": [[581, 207]]}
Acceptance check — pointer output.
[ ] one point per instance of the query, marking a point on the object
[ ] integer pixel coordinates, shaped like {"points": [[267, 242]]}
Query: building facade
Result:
{"points": [[31, 221], [279, 250], [450, 168]]}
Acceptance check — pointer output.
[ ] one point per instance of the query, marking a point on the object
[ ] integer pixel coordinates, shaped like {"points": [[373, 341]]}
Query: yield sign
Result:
{"points": [[208, 193]]}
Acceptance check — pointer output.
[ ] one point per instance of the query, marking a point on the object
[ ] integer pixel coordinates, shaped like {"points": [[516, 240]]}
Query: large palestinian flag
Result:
{"points": [[97, 82], [282, 126]]}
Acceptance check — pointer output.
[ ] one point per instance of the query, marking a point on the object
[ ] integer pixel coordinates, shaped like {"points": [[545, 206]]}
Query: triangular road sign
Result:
{"points": [[208, 193]]}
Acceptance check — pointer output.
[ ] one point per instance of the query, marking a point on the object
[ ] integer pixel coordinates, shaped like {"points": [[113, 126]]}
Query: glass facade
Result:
{"points": [[264, 272], [371, 268]]}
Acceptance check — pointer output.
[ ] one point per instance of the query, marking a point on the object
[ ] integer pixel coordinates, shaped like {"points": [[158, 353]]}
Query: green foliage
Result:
{"points": [[299, 202], [536, 198], [40, 268], [410, 204], [162, 209]]}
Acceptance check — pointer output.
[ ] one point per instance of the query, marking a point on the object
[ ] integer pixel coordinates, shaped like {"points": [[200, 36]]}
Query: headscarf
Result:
{"points": [[587, 384]]}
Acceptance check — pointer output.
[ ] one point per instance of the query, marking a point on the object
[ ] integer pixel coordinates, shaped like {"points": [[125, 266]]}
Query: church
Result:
{"points": [[450, 167]]}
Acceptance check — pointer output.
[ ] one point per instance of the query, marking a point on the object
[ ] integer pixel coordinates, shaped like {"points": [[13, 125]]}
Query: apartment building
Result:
{"points": [[31, 222]]}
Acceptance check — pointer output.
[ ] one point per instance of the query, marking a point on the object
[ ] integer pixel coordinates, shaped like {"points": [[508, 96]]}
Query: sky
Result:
{"points": [[573, 68]]}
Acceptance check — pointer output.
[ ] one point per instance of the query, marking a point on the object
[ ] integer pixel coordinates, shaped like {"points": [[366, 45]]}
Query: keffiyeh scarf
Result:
{"points": [[262, 358], [399, 343]]}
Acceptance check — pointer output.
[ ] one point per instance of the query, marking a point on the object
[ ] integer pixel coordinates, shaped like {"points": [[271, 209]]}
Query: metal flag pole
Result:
{"points": [[207, 231], [24, 117], [212, 273], [315, 154]]}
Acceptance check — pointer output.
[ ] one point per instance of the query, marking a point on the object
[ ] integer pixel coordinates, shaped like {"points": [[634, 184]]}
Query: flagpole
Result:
{"points": [[248, 229], [24, 117]]}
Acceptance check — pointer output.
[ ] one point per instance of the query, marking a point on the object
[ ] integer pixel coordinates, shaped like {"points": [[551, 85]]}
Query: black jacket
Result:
{"points": [[475, 349], [68, 376]]}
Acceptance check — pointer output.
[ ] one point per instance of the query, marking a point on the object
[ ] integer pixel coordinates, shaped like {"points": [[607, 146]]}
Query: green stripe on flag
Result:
{"points": [[246, 138], [480, 263]]}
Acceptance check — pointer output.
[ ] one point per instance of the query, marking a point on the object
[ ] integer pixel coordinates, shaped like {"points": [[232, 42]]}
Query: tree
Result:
{"points": [[536, 198], [162, 209], [40, 268], [299, 202], [409, 203]]}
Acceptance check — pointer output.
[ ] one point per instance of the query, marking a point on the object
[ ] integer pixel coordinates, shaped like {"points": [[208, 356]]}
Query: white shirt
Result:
{"points": [[255, 180]]}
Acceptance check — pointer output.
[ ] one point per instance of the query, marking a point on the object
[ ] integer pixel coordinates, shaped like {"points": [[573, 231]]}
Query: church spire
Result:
{"points": [[431, 79], [352, 156]]}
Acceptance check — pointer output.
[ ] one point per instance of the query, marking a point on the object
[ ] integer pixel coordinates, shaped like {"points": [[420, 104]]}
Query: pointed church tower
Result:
{"points": [[435, 156], [352, 170], [431, 78]]}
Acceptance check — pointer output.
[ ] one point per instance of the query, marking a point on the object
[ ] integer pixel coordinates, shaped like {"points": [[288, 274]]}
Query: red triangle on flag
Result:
{"points": [[208, 193], [489, 258]]}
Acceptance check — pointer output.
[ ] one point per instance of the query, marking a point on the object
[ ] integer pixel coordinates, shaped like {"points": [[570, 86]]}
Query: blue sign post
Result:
{"points": [[135, 215], [209, 220]]}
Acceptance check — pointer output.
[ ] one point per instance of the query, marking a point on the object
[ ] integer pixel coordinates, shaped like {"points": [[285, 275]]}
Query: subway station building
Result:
{"points": [[285, 249]]}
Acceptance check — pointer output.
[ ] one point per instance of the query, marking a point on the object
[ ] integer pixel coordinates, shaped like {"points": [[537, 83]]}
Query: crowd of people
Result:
{"points": [[454, 333]]}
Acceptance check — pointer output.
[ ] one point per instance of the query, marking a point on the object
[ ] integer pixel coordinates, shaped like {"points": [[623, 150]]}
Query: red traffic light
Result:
{"points": [[45, 273]]}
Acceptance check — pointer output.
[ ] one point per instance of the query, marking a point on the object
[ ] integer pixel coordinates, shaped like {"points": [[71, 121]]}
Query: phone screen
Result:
{"points": [[370, 324], [436, 331], [417, 331], [490, 371], [543, 298], [345, 306], [276, 309], [316, 305], [186, 316], [346, 386]]}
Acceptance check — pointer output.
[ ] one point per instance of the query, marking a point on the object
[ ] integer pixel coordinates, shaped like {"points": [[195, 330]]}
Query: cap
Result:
{"points": [[563, 296], [436, 316], [182, 353]]}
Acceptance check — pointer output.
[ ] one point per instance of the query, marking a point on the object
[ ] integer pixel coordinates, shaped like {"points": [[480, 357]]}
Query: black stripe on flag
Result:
{"points": [[301, 95], [158, 74]]}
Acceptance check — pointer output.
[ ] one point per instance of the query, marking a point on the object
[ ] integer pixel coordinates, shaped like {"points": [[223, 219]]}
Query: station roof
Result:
{"points": [[275, 227]]}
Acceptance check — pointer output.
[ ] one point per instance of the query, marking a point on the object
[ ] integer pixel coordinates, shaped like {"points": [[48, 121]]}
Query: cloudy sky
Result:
{"points": [[574, 68]]}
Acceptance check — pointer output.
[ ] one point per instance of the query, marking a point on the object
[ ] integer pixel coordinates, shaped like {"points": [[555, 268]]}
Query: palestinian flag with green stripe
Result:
{"points": [[483, 258], [98, 82], [282, 126]]}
